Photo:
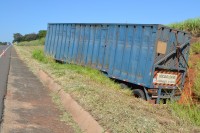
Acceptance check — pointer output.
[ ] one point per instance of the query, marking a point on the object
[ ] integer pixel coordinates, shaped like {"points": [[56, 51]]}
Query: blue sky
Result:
{"points": [[28, 16]]}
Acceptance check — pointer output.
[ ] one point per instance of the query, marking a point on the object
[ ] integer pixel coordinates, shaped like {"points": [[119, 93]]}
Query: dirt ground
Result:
{"points": [[195, 39], [28, 105], [188, 94]]}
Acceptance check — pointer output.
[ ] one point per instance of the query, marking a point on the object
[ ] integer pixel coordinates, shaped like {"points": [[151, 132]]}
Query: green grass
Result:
{"points": [[196, 86], [32, 43], [190, 25], [188, 112], [39, 55], [195, 48], [93, 74]]}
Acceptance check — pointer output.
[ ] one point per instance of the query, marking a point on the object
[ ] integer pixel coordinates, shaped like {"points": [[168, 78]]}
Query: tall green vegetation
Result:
{"points": [[42, 34], [195, 48], [196, 86], [3, 43], [190, 25], [40, 56], [29, 37], [189, 112], [32, 43]]}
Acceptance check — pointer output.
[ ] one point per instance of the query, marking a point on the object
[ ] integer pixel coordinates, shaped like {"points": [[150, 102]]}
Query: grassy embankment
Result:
{"points": [[32, 43], [191, 110], [114, 108]]}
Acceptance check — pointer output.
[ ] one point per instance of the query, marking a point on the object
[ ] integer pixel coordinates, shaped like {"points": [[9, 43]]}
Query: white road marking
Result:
{"points": [[4, 51]]}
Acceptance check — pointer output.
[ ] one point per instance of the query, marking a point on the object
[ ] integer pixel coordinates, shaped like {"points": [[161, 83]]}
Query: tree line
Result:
{"points": [[29, 37], [3, 43]]}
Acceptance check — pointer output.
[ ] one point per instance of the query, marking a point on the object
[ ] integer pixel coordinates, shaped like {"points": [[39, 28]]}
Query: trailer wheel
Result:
{"points": [[138, 93]]}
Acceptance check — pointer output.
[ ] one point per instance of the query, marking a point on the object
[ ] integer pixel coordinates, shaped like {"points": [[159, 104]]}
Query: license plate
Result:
{"points": [[165, 78]]}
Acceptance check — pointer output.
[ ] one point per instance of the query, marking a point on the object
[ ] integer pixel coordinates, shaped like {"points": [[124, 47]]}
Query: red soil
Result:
{"points": [[187, 94]]}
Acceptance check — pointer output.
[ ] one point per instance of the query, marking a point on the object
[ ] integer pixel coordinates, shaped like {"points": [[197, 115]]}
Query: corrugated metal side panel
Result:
{"points": [[64, 43], [131, 55], [123, 51], [48, 39], [58, 47], [53, 41]]}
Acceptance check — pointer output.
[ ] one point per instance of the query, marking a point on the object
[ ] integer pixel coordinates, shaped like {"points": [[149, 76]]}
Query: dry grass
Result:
{"points": [[65, 117], [112, 107]]}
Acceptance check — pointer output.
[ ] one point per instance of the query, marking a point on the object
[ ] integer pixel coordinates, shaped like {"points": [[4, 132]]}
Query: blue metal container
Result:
{"points": [[152, 56]]}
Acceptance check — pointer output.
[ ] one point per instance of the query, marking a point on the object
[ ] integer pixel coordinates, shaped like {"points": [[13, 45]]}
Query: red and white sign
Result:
{"points": [[163, 78]]}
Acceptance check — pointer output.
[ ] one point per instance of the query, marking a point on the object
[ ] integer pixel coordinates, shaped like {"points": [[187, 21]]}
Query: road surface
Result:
{"points": [[5, 52], [28, 104]]}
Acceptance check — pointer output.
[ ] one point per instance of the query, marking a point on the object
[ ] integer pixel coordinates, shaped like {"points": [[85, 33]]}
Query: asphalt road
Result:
{"points": [[5, 52], [28, 105]]}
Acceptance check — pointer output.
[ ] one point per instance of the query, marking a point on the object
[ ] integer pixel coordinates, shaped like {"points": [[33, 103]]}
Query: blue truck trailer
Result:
{"points": [[151, 58]]}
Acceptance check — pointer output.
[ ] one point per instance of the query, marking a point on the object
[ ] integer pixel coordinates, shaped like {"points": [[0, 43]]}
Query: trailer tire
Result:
{"points": [[138, 93]]}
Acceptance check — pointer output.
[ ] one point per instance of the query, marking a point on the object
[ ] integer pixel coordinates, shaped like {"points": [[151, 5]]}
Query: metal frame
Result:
{"points": [[156, 65]]}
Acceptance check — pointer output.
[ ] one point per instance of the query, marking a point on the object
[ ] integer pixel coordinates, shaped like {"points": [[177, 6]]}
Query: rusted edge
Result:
{"points": [[85, 121]]}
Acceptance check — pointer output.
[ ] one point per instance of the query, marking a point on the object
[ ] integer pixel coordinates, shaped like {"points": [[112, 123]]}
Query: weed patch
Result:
{"points": [[93, 74], [189, 112], [195, 47], [196, 86], [32, 43], [38, 54], [65, 117], [190, 25]]}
